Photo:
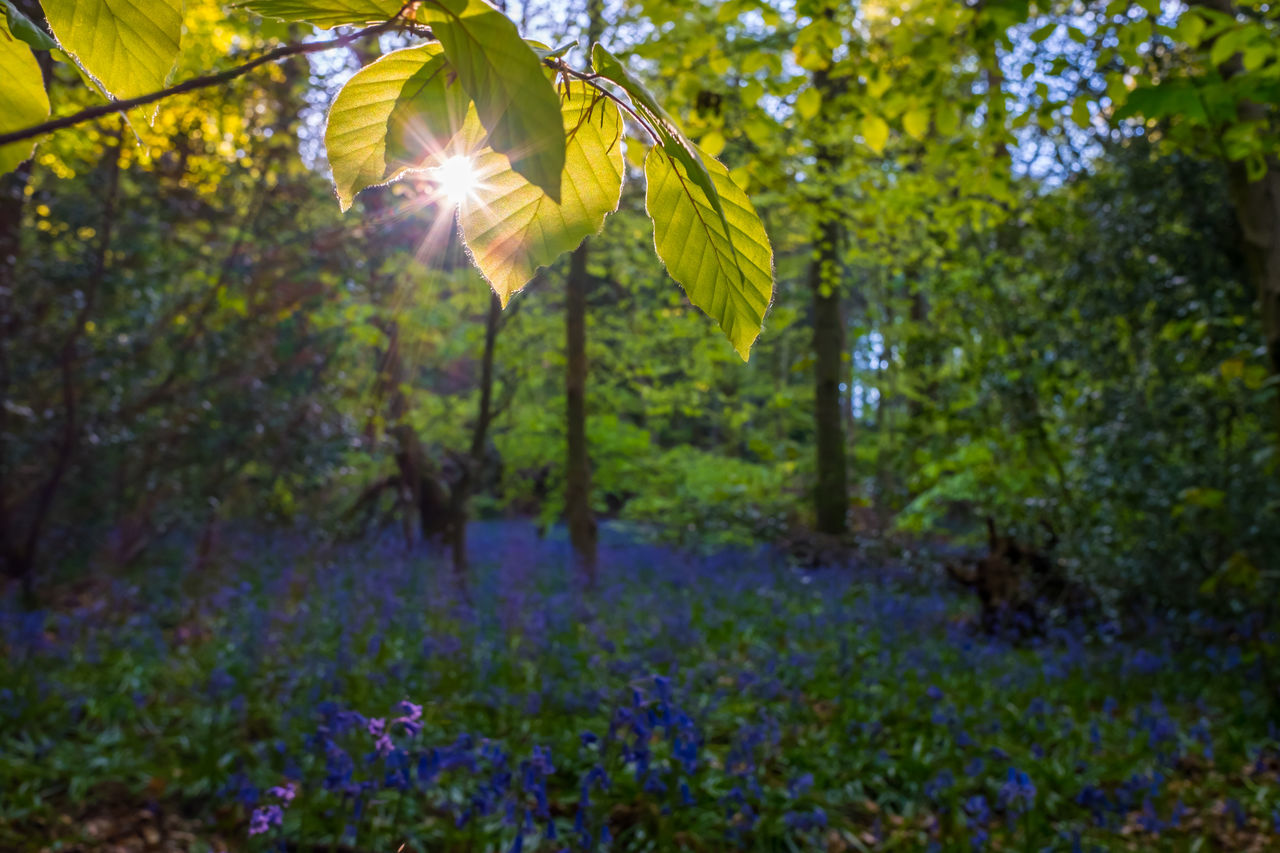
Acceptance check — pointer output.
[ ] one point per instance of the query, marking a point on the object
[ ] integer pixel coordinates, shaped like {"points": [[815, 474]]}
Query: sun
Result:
{"points": [[455, 179]]}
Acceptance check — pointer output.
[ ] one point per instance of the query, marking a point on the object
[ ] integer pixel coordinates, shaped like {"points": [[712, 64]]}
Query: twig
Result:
{"points": [[590, 79]]}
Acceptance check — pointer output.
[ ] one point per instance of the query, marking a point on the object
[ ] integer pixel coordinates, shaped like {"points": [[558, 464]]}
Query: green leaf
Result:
{"points": [[947, 118], [1080, 111], [1170, 98], [327, 14], [726, 271], [712, 143], [808, 103], [545, 52], [1227, 45], [23, 101], [1191, 27], [512, 227], [916, 123], [673, 141], [130, 48], [395, 114], [24, 28], [875, 132], [1044, 32], [504, 77]]}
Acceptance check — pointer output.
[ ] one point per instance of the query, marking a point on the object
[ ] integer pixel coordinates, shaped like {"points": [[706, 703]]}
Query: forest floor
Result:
{"points": [[355, 698]]}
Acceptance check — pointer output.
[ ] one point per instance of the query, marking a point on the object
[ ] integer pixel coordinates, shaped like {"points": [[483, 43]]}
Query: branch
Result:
{"points": [[194, 83]]}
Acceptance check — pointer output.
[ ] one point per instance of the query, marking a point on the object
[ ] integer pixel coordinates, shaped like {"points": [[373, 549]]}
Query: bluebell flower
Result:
{"points": [[977, 809], [1238, 813], [284, 793], [264, 818], [799, 785], [942, 781]]}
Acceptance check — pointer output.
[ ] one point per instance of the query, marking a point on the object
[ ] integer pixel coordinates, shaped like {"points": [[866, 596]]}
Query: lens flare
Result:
{"points": [[455, 179]]}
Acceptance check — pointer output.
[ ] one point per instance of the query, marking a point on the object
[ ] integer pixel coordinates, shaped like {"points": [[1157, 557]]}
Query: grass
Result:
{"points": [[700, 703]]}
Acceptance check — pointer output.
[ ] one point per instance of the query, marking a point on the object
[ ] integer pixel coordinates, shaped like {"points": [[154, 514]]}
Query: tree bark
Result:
{"points": [[12, 201], [474, 464], [20, 553], [1257, 206], [831, 489], [831, 494]]}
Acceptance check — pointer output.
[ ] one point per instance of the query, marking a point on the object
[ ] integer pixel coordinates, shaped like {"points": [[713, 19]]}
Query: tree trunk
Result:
{"points": [[918, 361], [831, 490], [12, 201], [473, 466], [19, 552], [1257, 205], [831, 496], [577, 491]]}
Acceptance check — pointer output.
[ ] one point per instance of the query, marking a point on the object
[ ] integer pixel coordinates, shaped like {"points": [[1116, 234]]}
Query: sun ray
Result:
{"points": [[455, 180]]}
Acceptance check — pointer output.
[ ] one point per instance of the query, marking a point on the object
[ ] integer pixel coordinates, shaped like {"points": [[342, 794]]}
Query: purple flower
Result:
{"points": [[412, 717], [264, 818], [1018, 792], [284, 793]]}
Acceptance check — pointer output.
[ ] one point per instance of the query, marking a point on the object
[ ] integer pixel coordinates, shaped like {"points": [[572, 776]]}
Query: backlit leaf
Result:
{"points": [[916, 123], [327, 13], [671, 138], [504, 77], [397, 113], [512, 227], [808, 103], [129, 47], [726, 271], [875, 132], [23, 101], [712, 143]]}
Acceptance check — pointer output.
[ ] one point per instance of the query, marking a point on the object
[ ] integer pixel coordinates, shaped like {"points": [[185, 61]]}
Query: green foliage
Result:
{"points": [[130, 48], [702, 500], [1047, 312], [22, 98], [673, 141], [403, 112], [724, 263]]}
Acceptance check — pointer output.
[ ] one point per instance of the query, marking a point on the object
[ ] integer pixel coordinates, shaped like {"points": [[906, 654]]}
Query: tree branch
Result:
{"points": [[203, 82]]}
